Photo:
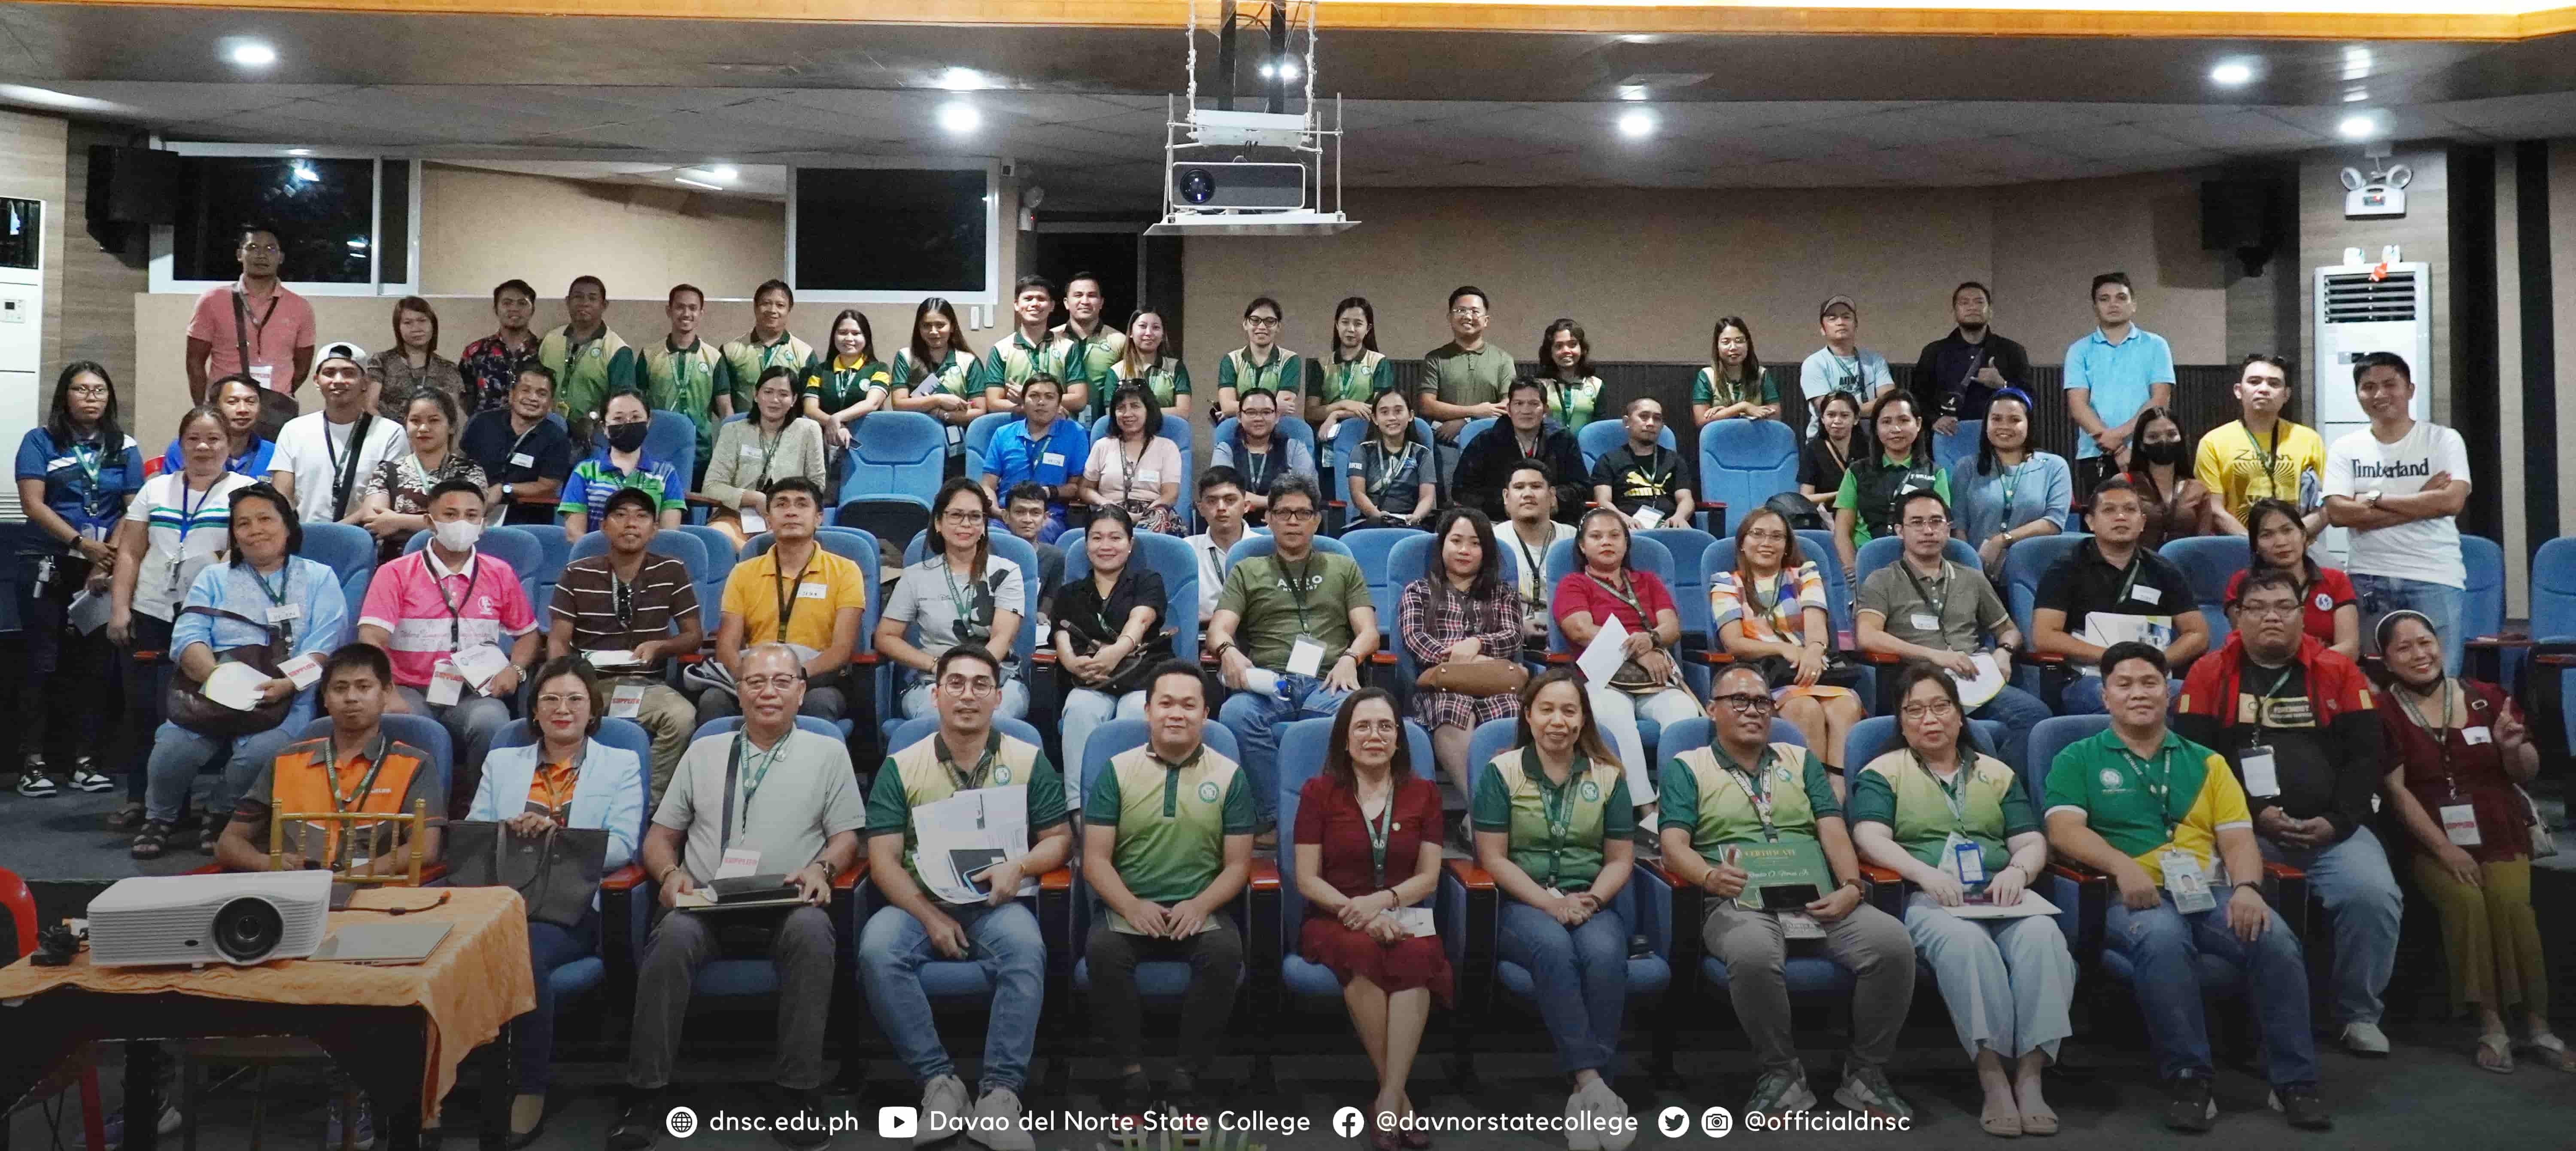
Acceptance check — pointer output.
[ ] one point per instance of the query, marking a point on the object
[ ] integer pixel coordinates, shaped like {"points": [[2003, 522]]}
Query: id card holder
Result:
{"points": [[1306, 657], [1967, 860], [2460, 824], [522, 460], [2188, 885], [1926, 621], [812, 591], [738, 862], [446, 685], [2259, 771], [626, 701], [285, 612]]}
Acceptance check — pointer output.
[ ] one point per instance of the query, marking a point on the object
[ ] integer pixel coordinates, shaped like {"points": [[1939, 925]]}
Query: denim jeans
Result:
{"points": [[1005, 941], [550, 946], [1084, 711], [2363, 901], [1256, 719], [2083, 695], [2019, 711], [2380, 595], [178, 753], [1580, 975], [2163, 945]]}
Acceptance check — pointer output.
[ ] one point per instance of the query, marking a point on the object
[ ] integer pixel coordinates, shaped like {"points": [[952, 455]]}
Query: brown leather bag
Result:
{"points": [[1483, 675]]}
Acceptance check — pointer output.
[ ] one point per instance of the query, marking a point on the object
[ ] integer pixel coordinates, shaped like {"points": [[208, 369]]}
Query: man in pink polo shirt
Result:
{"points": [[254, 319], [441, 614]]}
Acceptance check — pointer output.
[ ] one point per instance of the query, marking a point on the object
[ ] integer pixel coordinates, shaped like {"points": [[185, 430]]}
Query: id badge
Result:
{"points": [[1648, 519], [812, 591], [1926, 621], [285, 612], [2147, 594], [1052, 459], [738, 862], [446, 686], [626, 701], [1306, 657], [304, 671], [266, 374], [522, 460], [2460, 824], [2184, 879], [1967, 860], [2261, 775], [2474, 736]]}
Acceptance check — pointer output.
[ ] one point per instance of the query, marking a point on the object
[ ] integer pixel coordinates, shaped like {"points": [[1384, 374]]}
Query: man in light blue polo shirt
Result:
{"points": [[2114, 372], [1043, 448], [1842, 365]]}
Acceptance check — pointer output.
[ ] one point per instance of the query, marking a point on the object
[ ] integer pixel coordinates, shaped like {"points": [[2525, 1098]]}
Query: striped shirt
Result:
{"points": [[595, 479], [660, 597], [182, 530]]}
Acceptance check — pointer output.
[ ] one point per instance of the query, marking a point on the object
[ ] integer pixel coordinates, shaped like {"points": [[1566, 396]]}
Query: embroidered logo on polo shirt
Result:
{"points": [[2111, 779], [2324, 602], [1591, 792], [1002, 773], [1207, 791]]}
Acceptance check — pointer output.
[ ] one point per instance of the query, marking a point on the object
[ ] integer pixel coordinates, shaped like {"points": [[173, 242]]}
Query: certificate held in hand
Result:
{"points": [[1782, 876]]}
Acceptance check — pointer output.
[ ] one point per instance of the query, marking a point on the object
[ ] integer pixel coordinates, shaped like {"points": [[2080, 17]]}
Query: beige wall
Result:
{"points": [[1647, 272], [33, 150], [478, 228]]}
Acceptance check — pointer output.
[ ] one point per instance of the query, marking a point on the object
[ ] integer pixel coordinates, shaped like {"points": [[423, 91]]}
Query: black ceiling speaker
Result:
{"points": [[2241, 216]]}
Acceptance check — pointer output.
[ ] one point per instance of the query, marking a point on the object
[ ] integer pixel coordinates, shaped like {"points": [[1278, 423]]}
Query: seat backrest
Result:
{"points": [[1694, 733], [894, 456], [1643, 555], [1118, 736], [622, 734], [851, 544], [1743, 463], [1475, 427], [1169, 558], [420, 731], [921, 727], [1949, 450], [1410, 560], [1814, 547], [350, 553], [719, 551], [1595, 439], [2025, 564], [1876, 736], [1370, 547], [1346, 441], [1290, 427], [680, 546], [1174, 429], [2553, 590], [515, 546], [2482, 603], [1302, 746], [2053, 735], [979, 434], [673, 439], [732, 723], [2207, 563], [1880, 552], [1689, 585]]}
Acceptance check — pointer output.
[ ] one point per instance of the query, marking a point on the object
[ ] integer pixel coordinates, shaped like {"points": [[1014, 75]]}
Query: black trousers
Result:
{"points": [[1216, 972]]}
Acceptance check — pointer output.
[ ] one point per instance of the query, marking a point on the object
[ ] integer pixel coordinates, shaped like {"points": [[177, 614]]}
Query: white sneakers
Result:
{"points": [[1607, 1104], [2365, 1040], [945, 1095], [1600, 1103], [997, 1122]]}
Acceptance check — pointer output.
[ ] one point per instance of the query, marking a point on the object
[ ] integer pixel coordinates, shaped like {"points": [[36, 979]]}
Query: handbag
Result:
{"points": [[1153, 517], [186, 704], [2543, 843], [557, 874], [1481, 676], [1132, 672]]}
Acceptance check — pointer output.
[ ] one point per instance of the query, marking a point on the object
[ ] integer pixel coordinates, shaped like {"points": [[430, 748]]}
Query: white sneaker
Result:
{"points": [[1580, 1136], [945, 1095], [997, 1122], [89, 779], [1607, 1104], [2365, 1040]]}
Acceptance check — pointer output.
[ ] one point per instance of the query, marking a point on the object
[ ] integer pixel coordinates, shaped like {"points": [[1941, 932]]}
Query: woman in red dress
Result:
{"points": [[1368, 844]]}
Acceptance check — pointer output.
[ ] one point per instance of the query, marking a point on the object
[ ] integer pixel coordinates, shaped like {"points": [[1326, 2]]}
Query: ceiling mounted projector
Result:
{"points": [[243, 920]]}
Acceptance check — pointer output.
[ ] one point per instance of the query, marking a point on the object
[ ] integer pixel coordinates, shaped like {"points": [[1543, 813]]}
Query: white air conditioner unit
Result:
{"points": [[2360, 309], [242, 920]]}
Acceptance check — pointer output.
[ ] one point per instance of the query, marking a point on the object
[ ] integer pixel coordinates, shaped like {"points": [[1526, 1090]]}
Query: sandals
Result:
{"points": [[2041, 1123], [126, 818], [152, 841], [2495, 1053], [2003, 1124], [2551, 1052]]}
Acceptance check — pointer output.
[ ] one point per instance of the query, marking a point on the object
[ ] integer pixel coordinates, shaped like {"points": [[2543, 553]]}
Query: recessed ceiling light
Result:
{"points": [[960, 117], [725, 172], [252, 54], [1269, 70], [695, 183], [2356, 96], [2233, 73], [1637, 123], [299, 151], [1632, 91], [962, 80], [2358, 127], [1288, 70], [2356, 63]]}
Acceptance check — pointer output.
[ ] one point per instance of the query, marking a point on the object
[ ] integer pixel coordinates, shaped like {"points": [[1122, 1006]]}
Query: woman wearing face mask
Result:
{"points": [[174, 527], [1572, 391], [2328, 608], [770, 443], [1358, 371], [397, 492], [1151, 360], [1866, 505], [236, 399], [412, 366], [2459, 753], [1735, 385], [621, 462], [845, 380], [1108, 636], [1391, 482], [2010, 493], [1827, 455], [2178, 505], [246, 602], [76, 470]]}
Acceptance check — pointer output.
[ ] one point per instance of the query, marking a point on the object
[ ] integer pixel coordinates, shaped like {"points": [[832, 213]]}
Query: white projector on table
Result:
{"points": [[242, 920]]}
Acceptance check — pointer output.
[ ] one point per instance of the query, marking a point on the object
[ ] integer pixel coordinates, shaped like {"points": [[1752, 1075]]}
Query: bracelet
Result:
{"points": [[2258, 887]]}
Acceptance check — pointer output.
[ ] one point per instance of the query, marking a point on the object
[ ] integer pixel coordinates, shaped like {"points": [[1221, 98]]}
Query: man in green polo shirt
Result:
{"points": [[1027, 351], [742, 362], [679, 374], [1085, 349], [2165, 818], [1749, 793], [1466, 378], [1170, 846], [968, 754], [589, 361]]}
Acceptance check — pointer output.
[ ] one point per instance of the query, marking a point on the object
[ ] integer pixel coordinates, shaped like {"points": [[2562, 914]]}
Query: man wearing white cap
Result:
{"points": [[324, 457]]}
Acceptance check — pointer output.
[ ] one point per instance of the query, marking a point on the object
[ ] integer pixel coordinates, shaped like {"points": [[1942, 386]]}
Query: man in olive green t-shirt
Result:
{"points": [[1170, 846], [1466, 378], [1307, 627]]}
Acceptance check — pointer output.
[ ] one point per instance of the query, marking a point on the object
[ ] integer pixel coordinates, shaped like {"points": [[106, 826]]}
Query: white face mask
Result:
{"points": [[457, 535]]}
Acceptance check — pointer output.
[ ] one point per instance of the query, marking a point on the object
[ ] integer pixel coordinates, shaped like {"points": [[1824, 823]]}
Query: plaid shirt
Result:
{"points": [[1428, 629]]}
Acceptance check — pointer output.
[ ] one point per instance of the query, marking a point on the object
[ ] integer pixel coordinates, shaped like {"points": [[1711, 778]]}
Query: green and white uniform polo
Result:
{"points": [[742, 362], [1171, 820], [956, 375], [1707, 388], [1984, 804], [1167, 377], [924, 773], [1571, 405], [586, 373], [1713, 798], [1086, 359], [835, 385], [683, 380], [1011, 360], [1357, 380], [1557, 831], [1284, 371]]}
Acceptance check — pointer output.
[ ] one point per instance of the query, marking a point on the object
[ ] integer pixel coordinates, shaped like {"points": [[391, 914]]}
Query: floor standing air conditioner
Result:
{"points": [[2360, 309]]}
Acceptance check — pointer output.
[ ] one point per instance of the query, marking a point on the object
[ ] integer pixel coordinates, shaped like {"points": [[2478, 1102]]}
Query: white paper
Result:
{"points": [[608, 657], [738, 862], [753, 523], [1647, 518], [1045, 633], [981, 827], [235, 685], [626, 701], [2107, 628], [812, 591], [1305, 657], [1416, 921], [445, 686], [479, 663], [2460, 824], [305, 670], [1602, 658], [1988, 683], [2030, 904], [89, 612], [2260, 773]]}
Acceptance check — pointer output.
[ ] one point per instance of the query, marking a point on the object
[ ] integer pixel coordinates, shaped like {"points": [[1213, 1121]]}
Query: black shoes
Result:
{"points": [[2188, 1106], [641, 1119], [2300, 1105]]}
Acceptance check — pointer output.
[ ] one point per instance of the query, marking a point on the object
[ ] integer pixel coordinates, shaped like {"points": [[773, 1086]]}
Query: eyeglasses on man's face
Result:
{"points": [[1292, 515], [1927, 523], [1262, 321], [969, 687], [1742, 704], [763, 684], [2268, 610]]}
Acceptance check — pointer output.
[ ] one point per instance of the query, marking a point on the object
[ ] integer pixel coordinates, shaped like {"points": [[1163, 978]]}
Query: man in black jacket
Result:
{"points": [[1957, 374], [1487, 462]]}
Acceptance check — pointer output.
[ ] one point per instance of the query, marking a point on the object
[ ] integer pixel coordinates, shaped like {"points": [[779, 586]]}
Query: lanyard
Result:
{"points": [[1957, 795], [1625, 595], [1723, 392], [1939, 603], [786, 599], [344, 478], [1380, 830], [2263, 712], [277, 598], [2011, 481], [456, 607], [1255, 474], [1756, 790], [2449, 781], [2158, 786], [341, 801], [1380, 479], [1342, 383], [259, 327], [769, 447], [681, 358], [1560, 401], [1297, 588], [187, 514], [956, 597], [2129, 579], [751, 787], [1529, 573], [1127, 474], [1274, 367], [559, 800], [87, 455], [622, 596], [1853, 382], [2269, 459], [1553, 801], [521, 442], [983, 763]]}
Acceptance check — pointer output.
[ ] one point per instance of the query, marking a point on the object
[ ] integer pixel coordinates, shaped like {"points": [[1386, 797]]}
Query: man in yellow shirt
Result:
{"points": [[2263, 456], [798, 594]]}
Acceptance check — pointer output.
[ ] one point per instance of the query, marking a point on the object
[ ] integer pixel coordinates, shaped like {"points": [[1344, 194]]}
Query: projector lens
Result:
{"points": [[248, 929], [1197, 185]]}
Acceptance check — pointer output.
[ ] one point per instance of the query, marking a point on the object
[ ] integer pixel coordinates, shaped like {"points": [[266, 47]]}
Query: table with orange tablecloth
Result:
{"points": [[400, 1031]]}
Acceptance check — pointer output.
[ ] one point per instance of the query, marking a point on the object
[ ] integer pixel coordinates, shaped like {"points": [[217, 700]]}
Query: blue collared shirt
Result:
{"points": [[1052, 460], [2119, 376], [310, 586], [253, 463], [91, 505]]}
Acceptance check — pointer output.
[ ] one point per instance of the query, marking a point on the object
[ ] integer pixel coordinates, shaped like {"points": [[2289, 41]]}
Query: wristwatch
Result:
{"points": [[508, 490], [2370, 499], [829, 872]]}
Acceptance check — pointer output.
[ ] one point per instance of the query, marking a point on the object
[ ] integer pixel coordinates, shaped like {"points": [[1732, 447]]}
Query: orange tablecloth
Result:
{"points": [[477, 980]]}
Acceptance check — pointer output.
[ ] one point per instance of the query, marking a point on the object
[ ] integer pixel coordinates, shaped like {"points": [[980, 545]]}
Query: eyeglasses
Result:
{"points": [[1468, 313], [90, 392], [552, 700], [962, 516], [1933, 709], [1262, 321], [2269, 610], [261, 249], [1934, 523], [1747, 704], [1766, 537], [1292, 515], [760, 684], [970, 688]]}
